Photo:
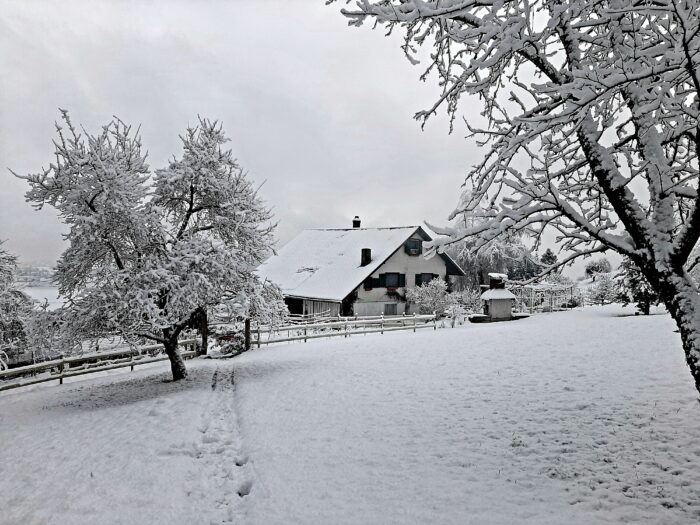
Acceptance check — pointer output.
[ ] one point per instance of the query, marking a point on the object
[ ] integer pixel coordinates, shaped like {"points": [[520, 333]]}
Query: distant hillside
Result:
{"points": [[35, 275]]}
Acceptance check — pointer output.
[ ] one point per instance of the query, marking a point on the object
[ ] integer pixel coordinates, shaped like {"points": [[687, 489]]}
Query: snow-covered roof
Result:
{"points": [[497, 293], [502, 276], [325, 264]]}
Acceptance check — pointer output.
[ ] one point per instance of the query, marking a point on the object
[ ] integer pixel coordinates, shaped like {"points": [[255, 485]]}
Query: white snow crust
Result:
{"points": [[574, 417], [497, 293], [128, 448]]}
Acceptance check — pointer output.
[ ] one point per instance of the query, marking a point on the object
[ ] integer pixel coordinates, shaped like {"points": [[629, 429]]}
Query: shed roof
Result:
{"points": [[325, 264], [497, 293]]}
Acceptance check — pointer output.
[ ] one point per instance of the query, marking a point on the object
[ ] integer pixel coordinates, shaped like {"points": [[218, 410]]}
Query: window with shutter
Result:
{"points": [[382, 280], [426, 278], [418, 279], [402, 279], [392, 280], [368, 283]]}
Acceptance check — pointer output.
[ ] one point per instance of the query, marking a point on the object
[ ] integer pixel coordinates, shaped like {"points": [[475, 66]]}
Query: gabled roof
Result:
{"points": [[497, 293], [325, 264]]}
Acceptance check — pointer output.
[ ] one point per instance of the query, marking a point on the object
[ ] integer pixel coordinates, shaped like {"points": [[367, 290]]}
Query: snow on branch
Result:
{"points": [[591, 113]]}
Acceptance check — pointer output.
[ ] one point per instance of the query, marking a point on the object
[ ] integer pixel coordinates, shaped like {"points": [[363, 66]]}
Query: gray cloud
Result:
{"points": [[320, 111]]}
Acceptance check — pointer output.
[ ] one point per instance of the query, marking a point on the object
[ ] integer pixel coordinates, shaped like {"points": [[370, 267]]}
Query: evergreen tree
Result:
{"points": [[633, 287], [548, 258]]}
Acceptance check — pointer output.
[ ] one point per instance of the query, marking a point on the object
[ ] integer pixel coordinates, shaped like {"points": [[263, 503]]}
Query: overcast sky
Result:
{"points": [[320, 111]]}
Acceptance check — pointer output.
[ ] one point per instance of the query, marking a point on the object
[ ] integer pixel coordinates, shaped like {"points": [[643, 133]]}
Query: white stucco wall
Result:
{"points": [[500, 308], [371, 302]]}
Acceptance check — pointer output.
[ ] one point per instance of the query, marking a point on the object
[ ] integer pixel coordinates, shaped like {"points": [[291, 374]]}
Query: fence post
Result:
{"points": [[346, 328], [60, 369], [414, 322], [259, 335], [304, 333], [434, 320], [132, 360], [246, 334], [381, 324]]}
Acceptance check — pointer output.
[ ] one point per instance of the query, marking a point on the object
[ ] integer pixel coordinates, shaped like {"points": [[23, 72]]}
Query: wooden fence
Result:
{"points": [[309, 318], [65, 367], [342, 326], [72, 366]]}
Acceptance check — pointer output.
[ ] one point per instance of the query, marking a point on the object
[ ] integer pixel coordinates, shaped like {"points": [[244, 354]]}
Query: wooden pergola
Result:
{"points": [[545, 297]]}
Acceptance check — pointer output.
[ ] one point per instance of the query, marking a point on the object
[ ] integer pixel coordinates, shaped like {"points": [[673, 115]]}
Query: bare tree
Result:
{"points": [[590, 122]]}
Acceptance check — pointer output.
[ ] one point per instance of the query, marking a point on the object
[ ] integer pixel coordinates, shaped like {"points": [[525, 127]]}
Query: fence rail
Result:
{"points": [[67, 367], [345, 327]]}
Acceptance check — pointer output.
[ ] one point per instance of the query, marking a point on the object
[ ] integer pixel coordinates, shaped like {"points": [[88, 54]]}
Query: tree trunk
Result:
{"points": [[177, 363], [683, 303], [204, 330]]}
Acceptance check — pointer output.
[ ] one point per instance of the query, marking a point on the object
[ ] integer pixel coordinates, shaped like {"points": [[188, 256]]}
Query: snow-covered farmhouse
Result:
{"points": [[354, 271]]}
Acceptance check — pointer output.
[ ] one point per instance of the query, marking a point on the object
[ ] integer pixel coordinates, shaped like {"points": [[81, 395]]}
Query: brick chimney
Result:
{"points": [[366, 256], [497, 281], [356, 222]]}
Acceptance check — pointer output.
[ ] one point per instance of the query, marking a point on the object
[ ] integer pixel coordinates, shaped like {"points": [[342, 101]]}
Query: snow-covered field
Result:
{"points": [[571, 417]]}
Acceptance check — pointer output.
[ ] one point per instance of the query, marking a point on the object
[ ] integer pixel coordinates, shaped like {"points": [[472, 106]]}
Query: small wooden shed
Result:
{"points": [[497, 301]]}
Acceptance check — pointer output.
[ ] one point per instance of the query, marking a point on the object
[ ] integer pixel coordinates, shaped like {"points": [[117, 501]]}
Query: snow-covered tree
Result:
{"points": [[601, 265], [430, 297], [15, 307], [558, 278], [150, 253], [506, 254], [589, 121], [260, 301], [455, 308], [46, 336], [604, 290], [632, 286]]}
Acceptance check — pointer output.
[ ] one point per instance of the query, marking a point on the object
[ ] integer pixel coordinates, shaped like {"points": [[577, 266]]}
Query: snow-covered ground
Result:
{"points": [[570, 417], [129, 448]]}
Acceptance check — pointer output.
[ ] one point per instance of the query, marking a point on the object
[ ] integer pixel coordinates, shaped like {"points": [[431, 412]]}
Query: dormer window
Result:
{"points": [[414, 247]]}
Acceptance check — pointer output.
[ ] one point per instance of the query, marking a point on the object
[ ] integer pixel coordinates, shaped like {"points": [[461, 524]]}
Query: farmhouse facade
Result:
{"points": [[355, 271]]}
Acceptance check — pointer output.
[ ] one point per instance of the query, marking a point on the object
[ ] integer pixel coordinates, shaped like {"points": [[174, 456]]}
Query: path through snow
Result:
{"points": [[131, 448]]}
